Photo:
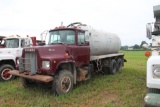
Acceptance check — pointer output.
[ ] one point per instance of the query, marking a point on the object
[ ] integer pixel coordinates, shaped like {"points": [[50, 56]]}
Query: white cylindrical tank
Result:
{"points": [[101, 43]]}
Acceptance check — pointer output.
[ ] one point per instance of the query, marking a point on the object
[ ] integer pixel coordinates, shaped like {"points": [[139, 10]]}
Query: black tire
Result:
{"points": [[112, 69], [153, 90], [4, 69], [26, 83], [119, 64], [63, 78]]}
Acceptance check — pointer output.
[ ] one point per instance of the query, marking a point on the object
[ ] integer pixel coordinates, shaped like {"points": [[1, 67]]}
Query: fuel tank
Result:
{"points": [[101, 43]]}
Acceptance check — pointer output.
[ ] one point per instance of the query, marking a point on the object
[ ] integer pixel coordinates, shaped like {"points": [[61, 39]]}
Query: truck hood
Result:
{"points": [[10, 51], [7, 57], [47, 51]]}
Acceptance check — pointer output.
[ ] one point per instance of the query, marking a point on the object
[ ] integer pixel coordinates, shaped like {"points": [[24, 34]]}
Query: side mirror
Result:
{"points": [[149, 30]]}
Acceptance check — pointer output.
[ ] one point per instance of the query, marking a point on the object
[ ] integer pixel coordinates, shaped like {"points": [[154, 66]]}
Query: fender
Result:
{"points": [[73, 67], [64, 62], [7, 57]]}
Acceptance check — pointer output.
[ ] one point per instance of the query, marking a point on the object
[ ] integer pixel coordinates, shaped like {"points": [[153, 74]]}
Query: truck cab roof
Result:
{"points": [[65, 28], [15, 37]]}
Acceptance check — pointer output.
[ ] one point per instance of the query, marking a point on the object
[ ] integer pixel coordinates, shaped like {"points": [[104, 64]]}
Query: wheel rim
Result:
{"points": [[5, 75], [66, 84]]}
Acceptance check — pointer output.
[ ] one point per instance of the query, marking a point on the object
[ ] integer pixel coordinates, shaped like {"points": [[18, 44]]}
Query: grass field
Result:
{"points": [[126, 88]]}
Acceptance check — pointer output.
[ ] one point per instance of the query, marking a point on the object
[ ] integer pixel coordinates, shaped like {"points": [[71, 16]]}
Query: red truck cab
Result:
{"points": [[65, 45], [58, 62]]}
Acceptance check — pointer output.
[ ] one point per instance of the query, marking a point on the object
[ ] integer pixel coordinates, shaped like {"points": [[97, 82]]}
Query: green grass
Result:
{"points": [[126, 88]]}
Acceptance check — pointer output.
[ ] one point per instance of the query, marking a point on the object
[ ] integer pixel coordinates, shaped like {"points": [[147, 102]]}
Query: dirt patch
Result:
{"points": [[1, 100], [99, 100]]}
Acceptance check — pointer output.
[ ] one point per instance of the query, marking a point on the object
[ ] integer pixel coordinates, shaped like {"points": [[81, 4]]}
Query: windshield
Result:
{"points": [[12, 43], [62, 36]]}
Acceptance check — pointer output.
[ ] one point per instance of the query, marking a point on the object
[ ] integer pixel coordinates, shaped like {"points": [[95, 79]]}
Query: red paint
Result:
{"points": [[78, 54], [33, 40], [5, 74]]}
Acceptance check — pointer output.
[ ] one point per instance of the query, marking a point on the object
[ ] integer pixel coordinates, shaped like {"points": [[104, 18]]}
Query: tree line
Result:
{"points": [[136, 46]]}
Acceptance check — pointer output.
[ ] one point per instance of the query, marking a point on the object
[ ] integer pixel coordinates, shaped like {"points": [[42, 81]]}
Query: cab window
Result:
{"points": [[81, 38], [12, 43], [23, 43], [62, 37], [26, 42]]}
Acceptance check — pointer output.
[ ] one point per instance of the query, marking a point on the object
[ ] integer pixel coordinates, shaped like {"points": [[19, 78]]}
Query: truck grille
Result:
{"points": [[29, 63]]}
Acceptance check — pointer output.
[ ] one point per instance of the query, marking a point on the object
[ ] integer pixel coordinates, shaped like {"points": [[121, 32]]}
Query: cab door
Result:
{"points": [[83, 50], [20, 48]]}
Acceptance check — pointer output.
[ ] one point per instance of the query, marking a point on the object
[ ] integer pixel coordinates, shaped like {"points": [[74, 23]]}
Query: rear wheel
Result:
{"points": [[112, 68], [4, 75], [119, 64], [63, 82]]}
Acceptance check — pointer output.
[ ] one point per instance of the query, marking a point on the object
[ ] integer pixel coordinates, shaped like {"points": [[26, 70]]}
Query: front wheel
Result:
{"points": [[4, 75], [119, 64], [63, 82]]}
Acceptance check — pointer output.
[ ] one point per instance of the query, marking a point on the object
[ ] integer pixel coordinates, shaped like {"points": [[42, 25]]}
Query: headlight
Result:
{"points": [[157, 72], [46, 64]]}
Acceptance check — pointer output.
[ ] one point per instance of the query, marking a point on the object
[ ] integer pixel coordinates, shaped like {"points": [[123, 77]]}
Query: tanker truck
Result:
{"points": [[72, 54], [152, 99]]}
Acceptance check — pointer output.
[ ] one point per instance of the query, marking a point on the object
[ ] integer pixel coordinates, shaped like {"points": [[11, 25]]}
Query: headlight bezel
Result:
{"points": [[156, 71], [46, 64]]}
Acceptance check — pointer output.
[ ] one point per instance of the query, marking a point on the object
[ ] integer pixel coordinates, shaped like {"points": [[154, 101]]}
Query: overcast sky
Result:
{"points": [[126, 18]]}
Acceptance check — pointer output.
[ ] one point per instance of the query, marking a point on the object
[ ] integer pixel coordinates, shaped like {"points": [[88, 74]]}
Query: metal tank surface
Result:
{"points": [[101, 43]]}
